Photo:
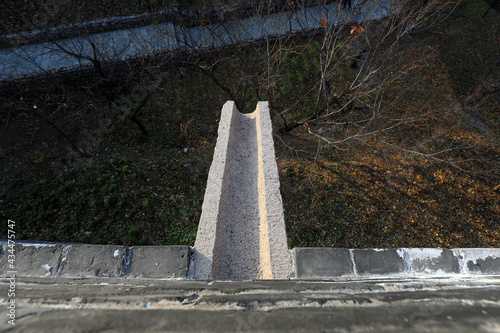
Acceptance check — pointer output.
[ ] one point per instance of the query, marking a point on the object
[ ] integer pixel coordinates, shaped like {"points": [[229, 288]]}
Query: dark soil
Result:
{"points": [[129, 188]]}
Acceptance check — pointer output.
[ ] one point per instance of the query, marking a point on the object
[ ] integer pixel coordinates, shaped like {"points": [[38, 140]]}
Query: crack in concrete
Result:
{"points": [[127, 261], [62, 260]]}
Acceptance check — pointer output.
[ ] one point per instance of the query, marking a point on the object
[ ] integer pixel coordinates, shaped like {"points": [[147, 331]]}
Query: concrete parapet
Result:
{"points": [[92, 260], [172, 262], [377, 261], [81, 260], [322, 262], [479, 261], [326, 263], [430, 261], [122, 45]]}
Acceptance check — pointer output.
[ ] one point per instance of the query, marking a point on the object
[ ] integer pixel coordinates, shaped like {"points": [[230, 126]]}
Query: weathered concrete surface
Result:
{"points": [[93, 260], [81, 260], [430, 261], [159, 262], [479, 261], [377, 261], [32, 260], [322, 262], [242, 234], [167, 262], [361, 305], [311, 263]]}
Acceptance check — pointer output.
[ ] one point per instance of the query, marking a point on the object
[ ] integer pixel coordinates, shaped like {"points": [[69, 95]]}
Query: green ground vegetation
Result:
{"points": [[136, 189]]}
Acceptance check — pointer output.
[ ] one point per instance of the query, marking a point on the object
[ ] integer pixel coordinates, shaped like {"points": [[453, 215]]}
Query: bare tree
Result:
{"points": [[361, 72], [357, 71]]}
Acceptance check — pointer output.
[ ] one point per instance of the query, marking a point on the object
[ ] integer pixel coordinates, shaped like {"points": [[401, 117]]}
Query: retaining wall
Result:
{"points": [[122, 45]]}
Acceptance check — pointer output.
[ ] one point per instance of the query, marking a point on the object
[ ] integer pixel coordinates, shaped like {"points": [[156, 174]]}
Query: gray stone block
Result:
{"points": [[321, 262], [159, 262], [378, 261], [480, 261], [431, 261], [32, 260], [94, 260], [488, 265]]}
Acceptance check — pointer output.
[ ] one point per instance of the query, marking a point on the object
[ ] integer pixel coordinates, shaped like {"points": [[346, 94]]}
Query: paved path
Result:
{"points": [[76, 53]]}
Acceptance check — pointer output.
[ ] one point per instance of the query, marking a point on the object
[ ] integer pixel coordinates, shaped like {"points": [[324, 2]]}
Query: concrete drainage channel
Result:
{"points": [[240, 275], [242, 229]]}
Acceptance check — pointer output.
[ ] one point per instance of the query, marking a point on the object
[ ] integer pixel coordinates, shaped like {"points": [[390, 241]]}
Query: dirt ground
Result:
{"points": [[131, 189]]}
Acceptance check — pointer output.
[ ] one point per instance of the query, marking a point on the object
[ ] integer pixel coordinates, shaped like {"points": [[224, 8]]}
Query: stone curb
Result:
{"points": [[323, 263], [167, 262], [82, 260]]}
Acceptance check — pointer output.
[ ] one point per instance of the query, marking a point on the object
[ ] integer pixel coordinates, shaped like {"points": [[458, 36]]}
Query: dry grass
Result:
{"points": [[385, 197], [147, 190]]}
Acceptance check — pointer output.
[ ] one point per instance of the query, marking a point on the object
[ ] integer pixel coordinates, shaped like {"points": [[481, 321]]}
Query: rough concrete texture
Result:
{"points": [[273, 239], [322, 262], [377, 261], [33, 260], [311, 263], [212, 207], [342, 305], [242, 234], [81, 260], [159, 262], [93, 260], [479, 261], [430, 261]]}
